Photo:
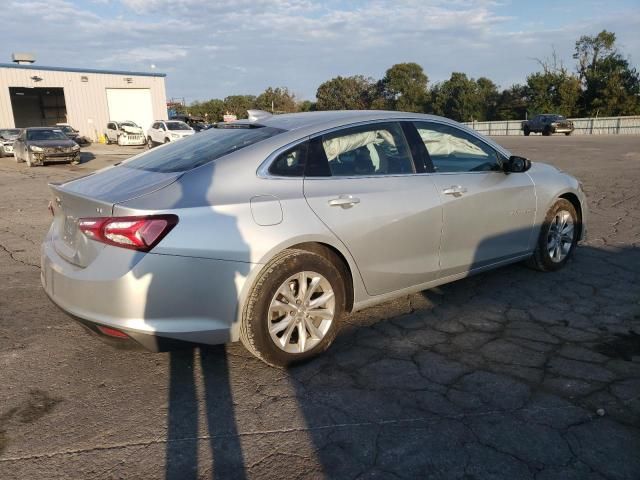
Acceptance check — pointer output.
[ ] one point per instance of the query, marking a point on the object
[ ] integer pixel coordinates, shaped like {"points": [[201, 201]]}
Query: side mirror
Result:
{"points": [[516, 164]]}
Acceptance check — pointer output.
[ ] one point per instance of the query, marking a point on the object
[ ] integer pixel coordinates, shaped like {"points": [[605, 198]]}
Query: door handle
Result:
{"points": [[344, 201], [455, 190]]}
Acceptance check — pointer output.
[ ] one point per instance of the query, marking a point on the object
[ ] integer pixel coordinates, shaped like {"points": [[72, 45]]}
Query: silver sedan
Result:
{"points": [[269, 231]]}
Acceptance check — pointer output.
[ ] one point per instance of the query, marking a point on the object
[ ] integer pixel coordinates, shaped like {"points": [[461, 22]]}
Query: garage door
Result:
{"points": [[130, 104]]}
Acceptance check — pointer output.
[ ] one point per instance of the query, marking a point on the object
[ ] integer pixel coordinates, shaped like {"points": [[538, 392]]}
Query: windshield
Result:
{"points": [[67, 129], [129, 124], [45, 135], [9, 132], [178, 126], [197, 150]]}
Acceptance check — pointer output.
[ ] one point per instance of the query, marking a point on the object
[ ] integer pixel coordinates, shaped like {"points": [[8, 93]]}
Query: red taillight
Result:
{"points": [[112, 332], [137, 233]]}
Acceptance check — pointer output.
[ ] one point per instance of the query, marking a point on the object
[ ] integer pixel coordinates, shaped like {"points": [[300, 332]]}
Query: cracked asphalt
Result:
{"points": [[510, 374]]}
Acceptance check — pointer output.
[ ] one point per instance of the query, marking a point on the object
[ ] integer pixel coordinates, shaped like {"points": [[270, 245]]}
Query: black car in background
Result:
{"points": [[37, 145], [547, 124], [73, 134]]}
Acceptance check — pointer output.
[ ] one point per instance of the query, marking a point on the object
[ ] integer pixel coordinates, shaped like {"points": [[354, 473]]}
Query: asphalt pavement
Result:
{"points": [[510, 374]]}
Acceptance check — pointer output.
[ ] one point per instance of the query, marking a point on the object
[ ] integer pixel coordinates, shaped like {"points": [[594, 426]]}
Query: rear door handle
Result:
{"points": [[344, 201], [455, 190]]}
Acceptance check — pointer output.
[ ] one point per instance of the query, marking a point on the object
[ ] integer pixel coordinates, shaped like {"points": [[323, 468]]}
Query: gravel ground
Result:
{"points": [[509, 374]]}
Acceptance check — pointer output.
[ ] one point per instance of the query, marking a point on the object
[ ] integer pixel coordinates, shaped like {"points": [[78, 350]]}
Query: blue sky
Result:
{"points": [[215, 48]]}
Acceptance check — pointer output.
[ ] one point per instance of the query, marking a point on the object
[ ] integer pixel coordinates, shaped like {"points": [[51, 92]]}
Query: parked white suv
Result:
{"points": [[125, 133], [165, 131]]}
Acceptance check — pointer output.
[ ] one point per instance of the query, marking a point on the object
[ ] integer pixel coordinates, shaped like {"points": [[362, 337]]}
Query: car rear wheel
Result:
{"points": [[526, 131], [294, 308], [547, 131], [558, 237], [149, 143], [107, 140], [567, 133]]}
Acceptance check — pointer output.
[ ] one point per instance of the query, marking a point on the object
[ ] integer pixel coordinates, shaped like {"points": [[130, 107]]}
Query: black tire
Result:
{"points": [[166, 140], [526, 131], [254, 332], [541, 259], [107, 141], [567, 133], [149, 143], [546, 132]]}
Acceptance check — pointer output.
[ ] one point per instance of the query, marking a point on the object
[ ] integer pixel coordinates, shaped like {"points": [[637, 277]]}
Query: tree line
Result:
{"points": [[603, 84]]}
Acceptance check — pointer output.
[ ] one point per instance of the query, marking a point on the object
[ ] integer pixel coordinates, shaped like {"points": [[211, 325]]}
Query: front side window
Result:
{"points": [[197, 150], [290, 163], [453, 150], [375, 149]]}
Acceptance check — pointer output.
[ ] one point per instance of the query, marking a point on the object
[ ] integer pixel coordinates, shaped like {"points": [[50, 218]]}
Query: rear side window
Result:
{"points": [[291, 162], [196, 150], [375, 149]]}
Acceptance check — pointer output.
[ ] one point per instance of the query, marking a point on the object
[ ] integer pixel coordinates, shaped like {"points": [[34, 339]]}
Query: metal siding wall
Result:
{"points": [[86, 102]]}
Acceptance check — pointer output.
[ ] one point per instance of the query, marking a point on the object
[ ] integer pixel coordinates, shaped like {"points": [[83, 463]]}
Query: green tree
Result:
{"points": [[278, 99], [346, 93], [457, 98], [512, 103], [306, 106], [212, 109], [553, 92], [404, 87], [239, 104], [611, 85], [488, 97]]}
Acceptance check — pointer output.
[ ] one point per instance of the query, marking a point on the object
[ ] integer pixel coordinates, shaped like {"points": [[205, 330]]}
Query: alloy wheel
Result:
{"points": [[301, 312], [560, 236]]}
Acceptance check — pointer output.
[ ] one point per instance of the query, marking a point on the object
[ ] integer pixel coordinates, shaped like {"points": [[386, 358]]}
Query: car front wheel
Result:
{"points": [[558, 237], [526, 131], [294, 308]]}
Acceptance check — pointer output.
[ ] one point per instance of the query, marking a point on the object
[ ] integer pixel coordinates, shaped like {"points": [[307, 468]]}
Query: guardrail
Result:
{"points": [[583, 126]]}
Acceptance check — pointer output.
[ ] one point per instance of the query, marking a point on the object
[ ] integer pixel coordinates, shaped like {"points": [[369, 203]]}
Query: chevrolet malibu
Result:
{"points": [[269, 231]]}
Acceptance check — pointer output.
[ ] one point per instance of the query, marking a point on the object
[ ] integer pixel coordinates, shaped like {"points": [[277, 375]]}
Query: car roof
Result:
{"points": [[43, 128], [294, 121]]}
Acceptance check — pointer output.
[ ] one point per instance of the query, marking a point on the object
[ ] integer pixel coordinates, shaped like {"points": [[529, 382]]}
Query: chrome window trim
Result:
{"points": [[263, 168]]}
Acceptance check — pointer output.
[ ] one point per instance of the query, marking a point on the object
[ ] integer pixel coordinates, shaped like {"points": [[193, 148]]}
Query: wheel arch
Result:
{"points": [[336, 257], [575, 201]]}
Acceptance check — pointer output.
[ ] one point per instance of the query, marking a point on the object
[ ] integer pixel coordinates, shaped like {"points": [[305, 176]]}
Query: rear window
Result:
{"points": [[196, 150]]}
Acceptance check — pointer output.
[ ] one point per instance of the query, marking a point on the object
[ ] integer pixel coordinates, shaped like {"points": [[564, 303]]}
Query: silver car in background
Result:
{"points": [[268, 231], [7, 137]]}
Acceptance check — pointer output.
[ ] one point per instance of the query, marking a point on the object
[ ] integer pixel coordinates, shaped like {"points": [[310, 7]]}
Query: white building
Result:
{"points": [[33, 95]]}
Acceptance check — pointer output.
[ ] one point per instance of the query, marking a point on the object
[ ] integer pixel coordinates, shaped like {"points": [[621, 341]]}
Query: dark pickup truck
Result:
{"points": [[547, 124]]}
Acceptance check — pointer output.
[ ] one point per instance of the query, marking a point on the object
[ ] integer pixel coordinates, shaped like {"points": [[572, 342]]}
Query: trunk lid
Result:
{"points": [[95, 196]]}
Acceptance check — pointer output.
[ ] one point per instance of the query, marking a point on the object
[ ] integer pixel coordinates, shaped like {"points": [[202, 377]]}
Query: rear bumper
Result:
{"points": [[155, 299]]}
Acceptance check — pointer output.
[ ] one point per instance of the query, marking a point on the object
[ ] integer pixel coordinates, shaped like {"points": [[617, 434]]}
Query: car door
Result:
{"points": [[488, 215], [362, 183]]}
